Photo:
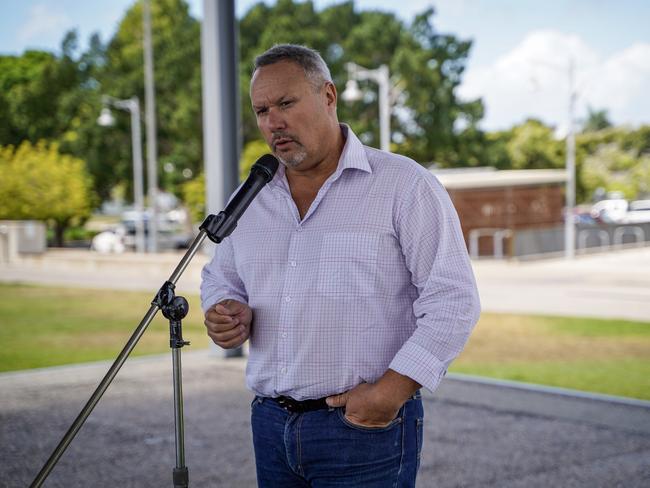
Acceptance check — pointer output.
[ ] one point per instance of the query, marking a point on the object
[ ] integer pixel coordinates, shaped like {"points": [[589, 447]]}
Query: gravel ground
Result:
{"points": [[476, 434]]}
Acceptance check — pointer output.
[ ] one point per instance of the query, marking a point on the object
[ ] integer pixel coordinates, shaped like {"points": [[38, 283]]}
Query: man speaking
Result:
{"points": [[349, 276]]}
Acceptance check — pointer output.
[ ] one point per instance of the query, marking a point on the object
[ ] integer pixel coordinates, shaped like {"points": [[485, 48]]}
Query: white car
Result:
{"points": [[638, 212]]}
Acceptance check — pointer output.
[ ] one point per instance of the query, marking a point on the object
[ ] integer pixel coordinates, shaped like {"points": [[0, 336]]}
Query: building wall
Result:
{"points": [[517, 208]]}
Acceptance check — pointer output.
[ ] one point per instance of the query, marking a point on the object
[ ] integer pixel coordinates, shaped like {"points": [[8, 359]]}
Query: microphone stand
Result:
{"points": [[174, 308]]}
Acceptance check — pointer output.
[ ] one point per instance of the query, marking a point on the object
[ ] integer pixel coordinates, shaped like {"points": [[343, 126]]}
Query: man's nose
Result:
{"points": [[276, 120]]}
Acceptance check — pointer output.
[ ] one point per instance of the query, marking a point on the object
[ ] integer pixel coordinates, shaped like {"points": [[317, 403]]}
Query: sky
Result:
{"points": [[519, 64]]}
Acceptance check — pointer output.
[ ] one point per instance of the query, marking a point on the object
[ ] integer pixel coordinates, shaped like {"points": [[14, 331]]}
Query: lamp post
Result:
{"points": [[570, 165], [106, 119], [352, 93], [569, 224]]}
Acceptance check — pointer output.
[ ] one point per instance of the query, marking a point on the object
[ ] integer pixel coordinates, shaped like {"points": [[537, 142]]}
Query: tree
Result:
{"points": [[613, 169], [596, 120], [177, 73], [40, 183], [431, 123], [532, 145]]}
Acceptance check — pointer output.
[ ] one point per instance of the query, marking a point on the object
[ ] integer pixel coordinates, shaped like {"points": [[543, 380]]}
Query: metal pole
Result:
{"points": [[569, 225], [383, 79], [138, 187], [221, 127], [150, 115]]}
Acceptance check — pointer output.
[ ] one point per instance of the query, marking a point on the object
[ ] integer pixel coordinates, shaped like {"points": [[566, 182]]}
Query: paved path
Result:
{"points": [[615, 284], [476, 434]]}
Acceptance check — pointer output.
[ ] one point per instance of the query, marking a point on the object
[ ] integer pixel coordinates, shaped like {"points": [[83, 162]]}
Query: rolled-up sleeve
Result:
{"points": [[219, 278], [447, 306]]}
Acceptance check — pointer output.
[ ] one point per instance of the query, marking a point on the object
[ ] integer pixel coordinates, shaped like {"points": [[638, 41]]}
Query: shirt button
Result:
{"points": [[287, 299], [283, 370], [284, 335], [299, 229], [293, 264]]}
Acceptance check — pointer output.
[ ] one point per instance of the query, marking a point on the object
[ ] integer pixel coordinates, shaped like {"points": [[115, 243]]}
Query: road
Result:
{"points": [[476, 434], [615, 284]]}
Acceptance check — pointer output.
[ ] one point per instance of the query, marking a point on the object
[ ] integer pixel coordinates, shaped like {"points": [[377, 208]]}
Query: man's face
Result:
{"points": [[293, 116]]}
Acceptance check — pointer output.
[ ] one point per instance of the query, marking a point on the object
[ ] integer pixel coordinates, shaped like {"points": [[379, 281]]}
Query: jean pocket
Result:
{"points": [[396, 421], [348, 264]]}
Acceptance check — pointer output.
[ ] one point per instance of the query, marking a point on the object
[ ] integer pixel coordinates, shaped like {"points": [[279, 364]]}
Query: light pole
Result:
{"points": [[106, 119], [570, 190], [150, 118], [569, 224], [352, 93]]}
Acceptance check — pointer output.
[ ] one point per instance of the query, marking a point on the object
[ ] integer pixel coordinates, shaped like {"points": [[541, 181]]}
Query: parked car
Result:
{"points": [[610, 211], [638, 212]]}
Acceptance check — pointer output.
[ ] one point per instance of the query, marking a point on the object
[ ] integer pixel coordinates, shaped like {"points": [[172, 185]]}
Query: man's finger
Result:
{"points": [[219, 324], [337, 400], [227, 335], [236, 341]]}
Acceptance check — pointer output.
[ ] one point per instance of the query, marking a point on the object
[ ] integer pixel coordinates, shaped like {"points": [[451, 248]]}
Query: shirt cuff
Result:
{"points": [[208, 302], [418, 364]]}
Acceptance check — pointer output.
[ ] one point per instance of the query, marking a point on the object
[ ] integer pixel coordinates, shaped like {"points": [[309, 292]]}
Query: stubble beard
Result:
{"points": [[294, 159]]}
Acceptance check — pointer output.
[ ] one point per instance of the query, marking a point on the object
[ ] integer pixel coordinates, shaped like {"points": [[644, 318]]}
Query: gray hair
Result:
{"points": [[309, 60]]}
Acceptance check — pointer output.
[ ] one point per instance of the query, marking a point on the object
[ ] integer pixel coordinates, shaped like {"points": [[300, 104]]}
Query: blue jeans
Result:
{"points": [[322, 449]]}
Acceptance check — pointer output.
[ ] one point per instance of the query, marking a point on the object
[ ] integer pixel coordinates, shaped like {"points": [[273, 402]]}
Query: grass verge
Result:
{"points": [[47, 326]]}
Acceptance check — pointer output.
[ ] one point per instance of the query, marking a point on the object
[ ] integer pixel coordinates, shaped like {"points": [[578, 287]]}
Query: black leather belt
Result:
{"points": [[296, 406]]}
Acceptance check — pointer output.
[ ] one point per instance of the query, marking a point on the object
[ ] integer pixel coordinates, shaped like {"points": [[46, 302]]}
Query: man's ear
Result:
{"points": [[330, 94]]}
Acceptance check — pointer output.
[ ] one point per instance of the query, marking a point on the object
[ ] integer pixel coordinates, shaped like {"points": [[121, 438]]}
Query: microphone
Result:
{"points": [[221, 226]]}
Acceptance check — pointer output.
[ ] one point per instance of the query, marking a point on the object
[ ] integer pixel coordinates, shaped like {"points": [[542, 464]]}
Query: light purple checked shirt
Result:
{"points": [[375, 276]]}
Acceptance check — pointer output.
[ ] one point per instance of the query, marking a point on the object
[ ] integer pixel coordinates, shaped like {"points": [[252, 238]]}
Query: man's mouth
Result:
{"points": [[282, 143]]}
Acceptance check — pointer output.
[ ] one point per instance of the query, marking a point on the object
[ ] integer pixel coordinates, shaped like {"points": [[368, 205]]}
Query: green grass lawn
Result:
{"points": [[46, 326], [597, 355]]}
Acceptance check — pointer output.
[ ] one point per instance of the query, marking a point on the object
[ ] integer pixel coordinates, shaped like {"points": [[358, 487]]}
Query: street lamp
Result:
{"points": [[570, 191], [352, 94], [106, 119]]}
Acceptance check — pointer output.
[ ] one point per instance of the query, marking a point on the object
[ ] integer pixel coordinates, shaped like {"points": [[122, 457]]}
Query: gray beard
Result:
{"points": [[294, 160]]}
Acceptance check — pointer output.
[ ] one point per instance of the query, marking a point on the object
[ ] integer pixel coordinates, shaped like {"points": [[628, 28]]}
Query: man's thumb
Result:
{"points": [[337, 400]]}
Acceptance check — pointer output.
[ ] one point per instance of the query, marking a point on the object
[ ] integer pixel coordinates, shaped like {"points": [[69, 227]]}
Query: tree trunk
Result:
{"points": [[59, 228]]}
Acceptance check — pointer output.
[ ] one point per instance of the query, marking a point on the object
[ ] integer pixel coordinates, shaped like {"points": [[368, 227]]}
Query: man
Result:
{"points": [[350, 277]]}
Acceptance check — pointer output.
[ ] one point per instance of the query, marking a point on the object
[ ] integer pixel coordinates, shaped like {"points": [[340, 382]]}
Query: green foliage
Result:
{"points": [[614, 169], [40, 183], [58, 98], [252, 152], [532, 145], [193, 194], [193, 191], [596, 120], [426, 66]]}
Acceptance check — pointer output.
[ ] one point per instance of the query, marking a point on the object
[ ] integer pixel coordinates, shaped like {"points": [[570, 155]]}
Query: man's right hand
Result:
{"points": [[229, 323]]}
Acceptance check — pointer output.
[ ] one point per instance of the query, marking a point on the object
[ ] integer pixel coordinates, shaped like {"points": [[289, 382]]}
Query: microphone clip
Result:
{"points": [[218, 227]]}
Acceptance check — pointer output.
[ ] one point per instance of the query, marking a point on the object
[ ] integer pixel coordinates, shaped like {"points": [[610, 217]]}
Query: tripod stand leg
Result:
{"points": [[95, 397], [181, 474]]}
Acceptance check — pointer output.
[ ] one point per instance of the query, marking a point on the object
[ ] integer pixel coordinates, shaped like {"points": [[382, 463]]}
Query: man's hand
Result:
{"points": [[376, 404], [229, 323], [364, 405]]}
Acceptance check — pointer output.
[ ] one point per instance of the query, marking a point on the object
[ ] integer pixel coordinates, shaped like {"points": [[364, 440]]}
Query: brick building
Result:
{"points": [[510, 212]]}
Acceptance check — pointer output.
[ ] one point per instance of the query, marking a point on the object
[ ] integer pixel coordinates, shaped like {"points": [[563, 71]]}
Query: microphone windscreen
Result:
{"points": [[267, 165]]}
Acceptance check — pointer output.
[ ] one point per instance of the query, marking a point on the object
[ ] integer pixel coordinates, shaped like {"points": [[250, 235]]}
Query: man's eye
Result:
{"points": [[286, 103], [261, 111]]}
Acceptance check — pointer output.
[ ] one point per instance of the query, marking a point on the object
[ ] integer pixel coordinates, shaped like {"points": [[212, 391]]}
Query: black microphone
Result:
{"points": [[218, 227]]}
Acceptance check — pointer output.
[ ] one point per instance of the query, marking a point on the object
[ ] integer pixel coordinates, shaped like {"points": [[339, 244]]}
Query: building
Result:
{"points": [[508, 213]]}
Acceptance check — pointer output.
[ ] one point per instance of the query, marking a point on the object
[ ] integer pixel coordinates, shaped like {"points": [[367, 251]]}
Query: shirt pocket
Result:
{"points": [[348, 264]]}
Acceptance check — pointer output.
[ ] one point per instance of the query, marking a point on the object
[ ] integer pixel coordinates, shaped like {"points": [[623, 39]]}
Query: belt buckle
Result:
{"points": [[288, 404]]}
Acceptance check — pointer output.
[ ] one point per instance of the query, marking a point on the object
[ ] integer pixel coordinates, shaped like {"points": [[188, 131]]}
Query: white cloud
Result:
{"points": [[43, 22], [532, 81]]}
